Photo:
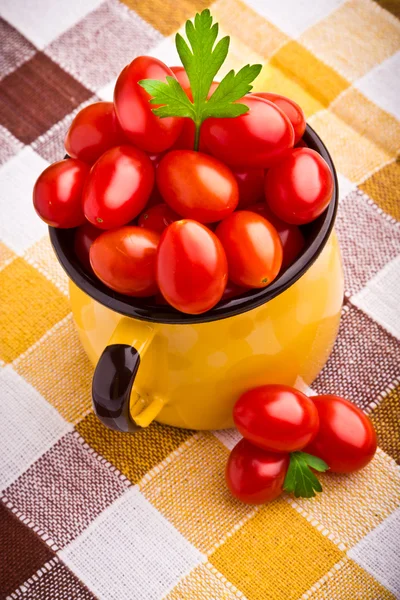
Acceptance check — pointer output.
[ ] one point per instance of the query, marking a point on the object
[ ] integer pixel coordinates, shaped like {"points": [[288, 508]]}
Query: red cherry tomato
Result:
{"points": [[301, 144], [256, 139], [84, 238], [290, 235], [191, 267], [346, 439], [276, 417], [118, 187], [197, 186], [142, 127], [125, 260], [255, 476], [158, 217], [291, 109], [300, 187], [182, 77], [251, 186], [94, 130], [57, 195], [253, 249]]}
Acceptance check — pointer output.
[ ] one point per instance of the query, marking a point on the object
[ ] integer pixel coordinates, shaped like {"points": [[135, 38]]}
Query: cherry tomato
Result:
{"points": [[253, 475], [191, 267], [84, 238], [291, 109], [142, 127], [301, 144], [197, 186], [290, 235], [253, 249], [94, 130], [125, 260], [118, 187], [233, 291], [155, 158], [300, 187], [346, 439], [158, 217], [182, 77], [256, 139], [251, 186], [57, 195], [276, 417]]}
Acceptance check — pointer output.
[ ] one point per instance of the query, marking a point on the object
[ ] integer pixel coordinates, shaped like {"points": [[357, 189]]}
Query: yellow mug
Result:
{"points": [[155, 363]]}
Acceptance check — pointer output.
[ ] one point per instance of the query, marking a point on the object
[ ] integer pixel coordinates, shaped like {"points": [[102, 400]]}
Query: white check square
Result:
{"points": [[41, 21], [131, 551], [378, 553], [20, 226], [294, 16], [30, 426]]}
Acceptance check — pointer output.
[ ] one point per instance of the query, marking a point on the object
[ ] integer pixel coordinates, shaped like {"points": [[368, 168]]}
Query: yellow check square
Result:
{"points": [[264, 558], [383, 187], [134, 455], [203, 583], [355, 156], [354, 38], [30, 306], [319, 80], [60, 370], [194, 496]]}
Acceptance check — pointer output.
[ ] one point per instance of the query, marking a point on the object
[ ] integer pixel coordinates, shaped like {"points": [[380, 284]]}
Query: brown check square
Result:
{"points": [[364, 362], [14, 48], [22, 552], [36, 96]]}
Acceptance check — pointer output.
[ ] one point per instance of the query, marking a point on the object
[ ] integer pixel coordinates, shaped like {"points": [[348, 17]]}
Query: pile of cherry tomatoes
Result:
{"points": [[154, 217], [287, 436]]}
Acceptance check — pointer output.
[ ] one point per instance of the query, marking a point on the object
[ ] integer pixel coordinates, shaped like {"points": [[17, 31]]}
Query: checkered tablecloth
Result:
{"points": [[88, 513]]}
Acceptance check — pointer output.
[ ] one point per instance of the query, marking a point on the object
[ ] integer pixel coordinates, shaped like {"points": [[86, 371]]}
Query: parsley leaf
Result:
{"points": [[299, 478], [202, 58]]}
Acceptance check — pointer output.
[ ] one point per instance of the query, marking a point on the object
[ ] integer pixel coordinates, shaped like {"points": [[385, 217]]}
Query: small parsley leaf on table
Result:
{"points": [[300, 479], [202, 58]]}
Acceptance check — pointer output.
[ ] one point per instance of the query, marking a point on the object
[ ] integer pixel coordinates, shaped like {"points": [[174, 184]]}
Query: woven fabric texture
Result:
{"points": [[88, 513]]}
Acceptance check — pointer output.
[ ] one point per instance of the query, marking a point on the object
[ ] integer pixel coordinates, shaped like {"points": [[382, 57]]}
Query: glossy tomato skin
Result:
{"points": [[138, 122], [158, 217], [197, 186], [125, 260], [118, 187], [253, 475], [256, 139], [290, 235], [57, 194], [346, 439], [252, 247], [278, 418], [251, 186], [191, 267], [84, 238], [94, 130], [300, 187], [291, 109]]}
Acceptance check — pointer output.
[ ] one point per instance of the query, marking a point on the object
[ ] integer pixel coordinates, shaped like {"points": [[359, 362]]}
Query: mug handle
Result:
{"points": [[114, 377]]}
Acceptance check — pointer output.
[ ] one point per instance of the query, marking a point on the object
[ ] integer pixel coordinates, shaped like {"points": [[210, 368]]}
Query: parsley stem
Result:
{"points": [[197, 135]]}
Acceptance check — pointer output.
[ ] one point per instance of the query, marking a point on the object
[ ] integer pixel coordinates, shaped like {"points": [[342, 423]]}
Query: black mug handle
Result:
{"points": [[112, 385], [115, 375]]}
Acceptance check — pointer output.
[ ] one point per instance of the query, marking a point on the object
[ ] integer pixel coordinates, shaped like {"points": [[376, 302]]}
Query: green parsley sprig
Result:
{"points": [[202, 60], [299, 479]]}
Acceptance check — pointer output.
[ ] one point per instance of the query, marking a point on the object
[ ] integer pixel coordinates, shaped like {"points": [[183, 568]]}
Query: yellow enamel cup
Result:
{"points": [[153, 362]]}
